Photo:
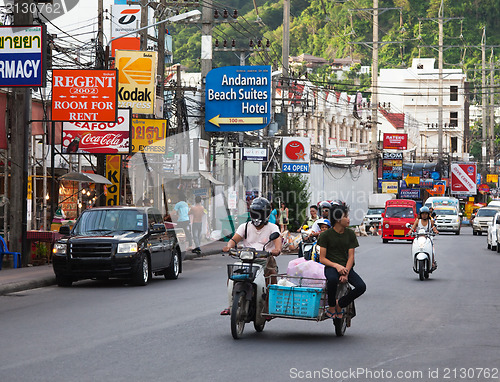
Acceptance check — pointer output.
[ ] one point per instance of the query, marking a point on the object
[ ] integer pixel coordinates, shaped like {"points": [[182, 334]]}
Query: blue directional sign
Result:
{"points": [[238, 98]]}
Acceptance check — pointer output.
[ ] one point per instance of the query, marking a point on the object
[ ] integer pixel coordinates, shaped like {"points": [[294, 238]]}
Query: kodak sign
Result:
{"points": [[137, 80]]}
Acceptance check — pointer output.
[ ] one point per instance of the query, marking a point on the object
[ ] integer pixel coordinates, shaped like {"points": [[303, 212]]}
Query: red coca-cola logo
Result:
{"points": [[108, 140]]}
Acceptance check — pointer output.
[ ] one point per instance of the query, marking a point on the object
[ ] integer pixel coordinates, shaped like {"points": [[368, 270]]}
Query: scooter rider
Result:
{"points": [[337, 247], [255, 234], [424, 221], [325, 214]]}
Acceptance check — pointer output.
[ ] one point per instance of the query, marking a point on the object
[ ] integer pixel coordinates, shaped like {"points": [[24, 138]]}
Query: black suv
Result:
{"points": [[120, 241]]}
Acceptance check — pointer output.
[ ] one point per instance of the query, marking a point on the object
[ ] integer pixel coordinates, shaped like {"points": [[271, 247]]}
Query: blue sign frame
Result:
{"points": [[295, 167], [238, 98]]}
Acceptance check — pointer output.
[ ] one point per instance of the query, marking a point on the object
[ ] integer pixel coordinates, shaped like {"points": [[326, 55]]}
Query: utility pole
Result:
{"points": [[20, 111], [440, 85], [144, 22], [374, 121], [161, 59], [286, 53], [483, 101], [101, 158], [492, 114]]}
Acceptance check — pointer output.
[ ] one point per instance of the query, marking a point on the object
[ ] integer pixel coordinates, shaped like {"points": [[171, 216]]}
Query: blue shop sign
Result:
{"points": [[409, 193], [238, 98], [295, 167]]}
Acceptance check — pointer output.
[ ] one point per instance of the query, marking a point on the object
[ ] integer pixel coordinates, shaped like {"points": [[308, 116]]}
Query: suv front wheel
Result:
{"points": [[141, 273]]}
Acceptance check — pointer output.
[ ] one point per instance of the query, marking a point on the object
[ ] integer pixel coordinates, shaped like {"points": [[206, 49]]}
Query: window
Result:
{"points": [[453, 118], [454, 144], [453, 93]]}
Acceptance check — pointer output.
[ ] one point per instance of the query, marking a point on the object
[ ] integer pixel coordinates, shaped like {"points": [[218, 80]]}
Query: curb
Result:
{"points": [[20, 286], [26, 285]]}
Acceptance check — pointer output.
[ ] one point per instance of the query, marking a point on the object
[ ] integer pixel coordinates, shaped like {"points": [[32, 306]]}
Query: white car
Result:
{"points": [[494, 233], [448, 219]]}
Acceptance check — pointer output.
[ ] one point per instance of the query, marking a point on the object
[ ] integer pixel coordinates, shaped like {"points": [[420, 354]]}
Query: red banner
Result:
{"points": [[395, 141]]}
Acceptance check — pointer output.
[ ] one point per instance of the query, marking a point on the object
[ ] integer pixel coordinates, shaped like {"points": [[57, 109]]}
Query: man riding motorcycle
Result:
{"points": [[255, 234]]}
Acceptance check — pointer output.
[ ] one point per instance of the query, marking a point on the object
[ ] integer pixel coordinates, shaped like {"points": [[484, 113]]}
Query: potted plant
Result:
{"points": [[41, 253]]}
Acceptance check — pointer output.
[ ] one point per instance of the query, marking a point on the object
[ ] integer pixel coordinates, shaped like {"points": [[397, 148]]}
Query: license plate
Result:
{"points": [[399, 232]]}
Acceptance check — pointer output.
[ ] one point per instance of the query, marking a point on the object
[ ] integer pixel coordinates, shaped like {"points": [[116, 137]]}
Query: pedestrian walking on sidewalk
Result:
{"points": [[197, 212], [182, 211]]}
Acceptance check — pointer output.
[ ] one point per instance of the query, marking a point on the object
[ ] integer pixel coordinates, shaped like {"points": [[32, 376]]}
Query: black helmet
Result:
{"points": [[339, 208], [260, 209]]}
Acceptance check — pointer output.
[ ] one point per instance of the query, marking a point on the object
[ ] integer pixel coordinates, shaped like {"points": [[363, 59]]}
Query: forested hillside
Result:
{"points": [[326, 28]]}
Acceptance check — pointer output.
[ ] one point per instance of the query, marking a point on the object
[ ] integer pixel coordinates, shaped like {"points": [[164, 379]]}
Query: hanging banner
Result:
{"points": [[98, 137], [22, 56], [137, 80], [463, 178], [149, 135], [84, 95], [113, 173]]}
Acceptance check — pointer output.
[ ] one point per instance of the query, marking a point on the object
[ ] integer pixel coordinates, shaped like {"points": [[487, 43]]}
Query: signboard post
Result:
{"points": [[238, 98]]}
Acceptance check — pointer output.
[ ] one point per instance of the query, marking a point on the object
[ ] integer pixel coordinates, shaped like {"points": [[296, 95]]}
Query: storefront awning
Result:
{"points": [[85, 177], [210, 178]]}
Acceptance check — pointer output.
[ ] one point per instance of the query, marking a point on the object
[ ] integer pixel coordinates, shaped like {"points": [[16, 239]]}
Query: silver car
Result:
{"points": [[483, 216]]}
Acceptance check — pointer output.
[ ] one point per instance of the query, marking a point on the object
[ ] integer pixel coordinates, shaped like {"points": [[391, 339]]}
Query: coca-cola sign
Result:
{"points": [[98, 137]]}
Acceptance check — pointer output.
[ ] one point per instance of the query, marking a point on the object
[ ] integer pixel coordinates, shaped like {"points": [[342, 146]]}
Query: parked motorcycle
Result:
{"points": [[248, 289], [423, 253]]}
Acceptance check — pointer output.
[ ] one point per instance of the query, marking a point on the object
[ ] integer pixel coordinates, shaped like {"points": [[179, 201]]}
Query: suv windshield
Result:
{"points": [[375, 211], [399, 212], [99, 222], [486, 213]]}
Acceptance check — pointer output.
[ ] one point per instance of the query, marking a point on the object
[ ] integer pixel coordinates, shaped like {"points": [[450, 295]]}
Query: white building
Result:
{"points": [[413, 93]]}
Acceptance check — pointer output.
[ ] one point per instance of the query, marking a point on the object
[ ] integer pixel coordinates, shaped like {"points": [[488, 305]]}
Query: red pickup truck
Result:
{"points": [[398, 212]]}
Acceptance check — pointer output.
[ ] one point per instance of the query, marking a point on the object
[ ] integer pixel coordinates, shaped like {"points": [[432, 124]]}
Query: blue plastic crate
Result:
{"points": [[294, 301]]}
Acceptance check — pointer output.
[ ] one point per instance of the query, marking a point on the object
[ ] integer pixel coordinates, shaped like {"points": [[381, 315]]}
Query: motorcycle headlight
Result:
{"points": [[59, 249], [246, 255], [127, 248]]}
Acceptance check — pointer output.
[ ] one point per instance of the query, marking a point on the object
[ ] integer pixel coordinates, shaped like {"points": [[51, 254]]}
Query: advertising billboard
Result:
{"points": [[238, 98], [296, 155], [137, 80], [113, 173], [149, 135], [395, 141], [98, 137], [463, 178], [84, 95], [22, 56]]}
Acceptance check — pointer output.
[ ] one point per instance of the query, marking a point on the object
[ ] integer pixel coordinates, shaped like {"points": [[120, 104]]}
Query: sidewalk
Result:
{"points": [[16, 280]]}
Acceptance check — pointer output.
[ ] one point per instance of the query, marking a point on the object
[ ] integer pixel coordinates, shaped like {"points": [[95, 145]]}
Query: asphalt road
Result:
{"points": [[442, 329]]}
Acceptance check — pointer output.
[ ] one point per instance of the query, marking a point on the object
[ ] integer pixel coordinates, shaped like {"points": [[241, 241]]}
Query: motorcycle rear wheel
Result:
{"points": [[238, 314]]}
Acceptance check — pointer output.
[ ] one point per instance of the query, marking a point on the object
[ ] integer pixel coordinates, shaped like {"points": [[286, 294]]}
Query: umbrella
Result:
{"points": [[85, 177]]}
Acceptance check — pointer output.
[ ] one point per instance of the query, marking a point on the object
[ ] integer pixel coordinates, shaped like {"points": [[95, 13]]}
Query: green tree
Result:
{"points": [[293, 190]]}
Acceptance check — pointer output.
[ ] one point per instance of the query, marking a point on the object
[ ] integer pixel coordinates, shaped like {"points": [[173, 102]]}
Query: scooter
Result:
{"points": [[423, 253], [307, 243], [248, 291]]}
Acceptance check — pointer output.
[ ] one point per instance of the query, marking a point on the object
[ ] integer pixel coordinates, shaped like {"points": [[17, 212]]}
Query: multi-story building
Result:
{"points": [[414, 94]]}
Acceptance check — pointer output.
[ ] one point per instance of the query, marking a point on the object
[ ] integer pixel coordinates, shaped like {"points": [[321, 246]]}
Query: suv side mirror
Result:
{"points": [[158, 227], [64, 230]]}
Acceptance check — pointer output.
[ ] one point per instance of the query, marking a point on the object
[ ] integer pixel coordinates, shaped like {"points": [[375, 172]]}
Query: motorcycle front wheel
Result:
{"points": [[239, 312], [421, 270]]}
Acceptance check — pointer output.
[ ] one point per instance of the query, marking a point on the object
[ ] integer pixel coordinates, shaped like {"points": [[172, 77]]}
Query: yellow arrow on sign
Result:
{"points": [[217, 121], [412, 179]]}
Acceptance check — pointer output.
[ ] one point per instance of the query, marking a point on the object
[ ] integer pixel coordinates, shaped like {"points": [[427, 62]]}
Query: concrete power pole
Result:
{"points": [[20, 112], [374, 126], [491, 135], [286, 54], [484, 160], [441, 90]]}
